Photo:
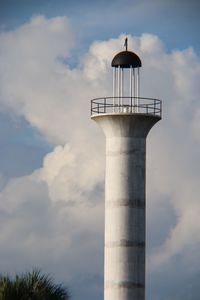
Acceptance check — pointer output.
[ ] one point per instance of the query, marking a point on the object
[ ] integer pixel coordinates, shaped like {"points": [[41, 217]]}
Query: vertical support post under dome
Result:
{"points": [[137, 88], [134, 89], [121, 88], [131, 86], [114, 88], [118, 83]]}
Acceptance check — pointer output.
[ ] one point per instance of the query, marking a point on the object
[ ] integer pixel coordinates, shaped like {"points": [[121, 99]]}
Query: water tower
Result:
{"points": [[126, 119]]}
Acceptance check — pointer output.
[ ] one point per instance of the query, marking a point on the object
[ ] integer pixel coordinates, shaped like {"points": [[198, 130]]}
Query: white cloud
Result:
{"points": [[46, 214], [59, 230], [69, 175]]}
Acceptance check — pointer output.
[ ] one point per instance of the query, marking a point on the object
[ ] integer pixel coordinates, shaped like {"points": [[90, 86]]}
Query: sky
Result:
{"points": [[54, 57]]}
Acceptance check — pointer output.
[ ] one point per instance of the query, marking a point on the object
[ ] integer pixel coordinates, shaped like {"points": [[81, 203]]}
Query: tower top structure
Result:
{"points": [[126, 59], [126, 89]]}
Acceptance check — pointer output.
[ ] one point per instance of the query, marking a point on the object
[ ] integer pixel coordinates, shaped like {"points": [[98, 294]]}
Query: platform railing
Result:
{"points": [[134, 105]]}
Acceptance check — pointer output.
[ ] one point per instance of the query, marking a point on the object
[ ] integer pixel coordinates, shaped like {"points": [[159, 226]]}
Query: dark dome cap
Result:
{"points": [[126, 59]]}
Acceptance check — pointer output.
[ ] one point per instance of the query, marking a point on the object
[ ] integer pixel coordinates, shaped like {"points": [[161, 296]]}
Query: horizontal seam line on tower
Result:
{"points": [[122, 203], [124, 243], [115, 153], [128, 285]]}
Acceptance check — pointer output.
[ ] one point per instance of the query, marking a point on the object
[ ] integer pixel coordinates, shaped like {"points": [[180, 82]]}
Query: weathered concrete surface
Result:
{"points": [[124, 261]]}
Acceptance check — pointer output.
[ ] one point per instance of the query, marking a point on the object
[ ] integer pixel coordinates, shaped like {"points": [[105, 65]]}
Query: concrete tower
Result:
{"points": [[126, 119]]}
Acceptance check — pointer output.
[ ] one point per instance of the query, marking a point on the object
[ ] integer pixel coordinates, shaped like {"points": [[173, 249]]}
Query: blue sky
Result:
{"points": [[176, 22], [54, 57]]}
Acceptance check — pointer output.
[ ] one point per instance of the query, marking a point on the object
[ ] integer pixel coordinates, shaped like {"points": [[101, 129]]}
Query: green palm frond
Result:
{"points": [[31, 286]]}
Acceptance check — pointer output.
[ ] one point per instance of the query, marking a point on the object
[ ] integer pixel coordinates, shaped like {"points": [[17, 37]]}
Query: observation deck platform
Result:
{"points": [[126, 105]]}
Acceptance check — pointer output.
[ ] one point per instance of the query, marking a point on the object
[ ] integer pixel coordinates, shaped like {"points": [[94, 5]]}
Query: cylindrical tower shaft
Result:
{"points": [[124, 262]]}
